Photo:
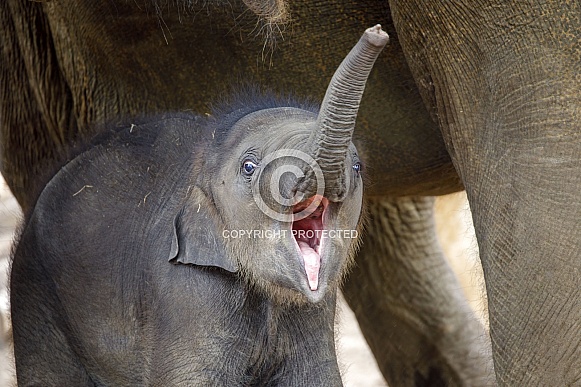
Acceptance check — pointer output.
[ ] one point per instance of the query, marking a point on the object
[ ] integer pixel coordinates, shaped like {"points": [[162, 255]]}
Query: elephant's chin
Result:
{"points": [[307, 231], [308, 262]]}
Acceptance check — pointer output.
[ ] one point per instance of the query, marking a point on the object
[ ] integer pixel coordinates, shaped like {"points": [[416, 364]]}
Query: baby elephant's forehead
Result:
{"points": [[270, 124]]}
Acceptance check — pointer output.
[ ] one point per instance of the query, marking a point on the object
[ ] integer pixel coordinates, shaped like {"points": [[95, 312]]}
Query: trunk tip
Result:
{"points": [[377, 36]]}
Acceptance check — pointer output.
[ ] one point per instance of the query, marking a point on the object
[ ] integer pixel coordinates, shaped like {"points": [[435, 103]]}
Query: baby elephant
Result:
{"points": [[194, 251]]}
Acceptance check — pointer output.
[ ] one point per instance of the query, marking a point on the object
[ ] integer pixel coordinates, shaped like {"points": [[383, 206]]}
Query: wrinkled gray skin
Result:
{"points": [[481, 95], [94, 299], [96, 302], [68, 64], [502, 80]]}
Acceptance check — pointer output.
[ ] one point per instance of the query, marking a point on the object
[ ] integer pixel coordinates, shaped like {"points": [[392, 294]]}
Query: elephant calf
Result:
{"points": [[188, 250]]}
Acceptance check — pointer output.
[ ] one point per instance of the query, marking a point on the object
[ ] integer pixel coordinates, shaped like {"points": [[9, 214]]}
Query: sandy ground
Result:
{"points": [[360, 368], [9, 217]]}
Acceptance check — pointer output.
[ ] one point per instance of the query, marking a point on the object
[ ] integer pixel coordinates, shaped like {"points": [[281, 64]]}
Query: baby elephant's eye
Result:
{"points": [[357, 167], [248, 167]]}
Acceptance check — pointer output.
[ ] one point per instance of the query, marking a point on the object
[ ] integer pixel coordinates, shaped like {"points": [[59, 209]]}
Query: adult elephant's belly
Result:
{"points": [[126, 60]]}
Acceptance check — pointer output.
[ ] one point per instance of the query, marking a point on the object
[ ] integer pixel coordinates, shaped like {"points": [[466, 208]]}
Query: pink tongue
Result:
{"points": [[312, 264]]}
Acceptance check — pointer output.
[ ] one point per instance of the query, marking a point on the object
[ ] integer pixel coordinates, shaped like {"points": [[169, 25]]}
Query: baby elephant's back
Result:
{"points": [[85, 261]]}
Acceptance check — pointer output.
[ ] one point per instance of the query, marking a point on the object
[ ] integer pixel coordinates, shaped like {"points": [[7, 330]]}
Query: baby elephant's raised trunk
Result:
{"points": [[329, 142]]}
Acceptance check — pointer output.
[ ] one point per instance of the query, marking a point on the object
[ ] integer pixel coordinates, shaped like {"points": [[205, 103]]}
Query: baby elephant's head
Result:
{"points": [[287, 189]]}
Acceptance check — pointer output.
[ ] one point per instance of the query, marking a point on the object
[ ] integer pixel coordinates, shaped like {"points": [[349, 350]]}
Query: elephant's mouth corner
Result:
{"points": [[307, 231]]}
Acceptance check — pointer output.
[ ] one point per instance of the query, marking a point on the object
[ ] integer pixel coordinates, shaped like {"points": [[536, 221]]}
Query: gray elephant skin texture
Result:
{"points": [[481, 95], [94, 299], [101, 304]]}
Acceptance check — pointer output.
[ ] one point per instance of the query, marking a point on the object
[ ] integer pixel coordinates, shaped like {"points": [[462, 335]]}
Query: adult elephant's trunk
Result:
{"points": [[329, 142]]}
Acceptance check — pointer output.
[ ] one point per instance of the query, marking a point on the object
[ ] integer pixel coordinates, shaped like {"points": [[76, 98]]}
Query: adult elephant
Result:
{"points": [[491, 92], [68, 64], [503, 80]]}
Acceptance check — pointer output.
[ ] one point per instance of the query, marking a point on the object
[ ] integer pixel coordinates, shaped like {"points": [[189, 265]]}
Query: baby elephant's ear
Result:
{"points": [[197, 236]]}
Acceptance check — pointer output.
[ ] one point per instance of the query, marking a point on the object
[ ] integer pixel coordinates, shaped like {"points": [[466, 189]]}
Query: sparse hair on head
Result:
{"points": [[247, 99]]}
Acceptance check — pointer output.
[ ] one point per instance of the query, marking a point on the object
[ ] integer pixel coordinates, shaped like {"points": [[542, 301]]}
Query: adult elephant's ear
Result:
{"points": [[197, 236]]}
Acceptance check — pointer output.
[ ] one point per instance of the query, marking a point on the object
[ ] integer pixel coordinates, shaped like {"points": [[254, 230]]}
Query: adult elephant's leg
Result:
{"points": [[35, 118], [504, 82], [409, 304]]}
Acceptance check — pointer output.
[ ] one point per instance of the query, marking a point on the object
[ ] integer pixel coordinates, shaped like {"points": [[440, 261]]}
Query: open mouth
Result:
{"points": [[307, 233]]}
